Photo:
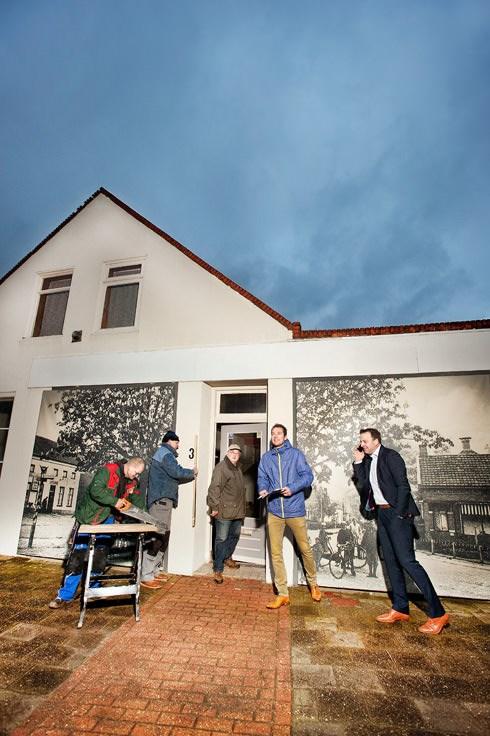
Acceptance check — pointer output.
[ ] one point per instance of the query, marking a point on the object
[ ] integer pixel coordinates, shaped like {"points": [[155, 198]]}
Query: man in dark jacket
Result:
{"points": [[227, 506], [164, 479], [381, 479], [111, 488], [284, 475]]}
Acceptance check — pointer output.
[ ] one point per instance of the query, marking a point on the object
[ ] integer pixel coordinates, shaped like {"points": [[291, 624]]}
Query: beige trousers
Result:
{"points": [[276, 527]]}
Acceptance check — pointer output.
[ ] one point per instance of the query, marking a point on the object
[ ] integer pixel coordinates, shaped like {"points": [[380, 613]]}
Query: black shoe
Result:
{"points": [[59, 603]]}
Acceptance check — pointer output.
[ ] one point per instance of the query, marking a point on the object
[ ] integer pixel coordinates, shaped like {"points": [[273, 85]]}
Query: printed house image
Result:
{"points": [[455, 492], [112, 332]]}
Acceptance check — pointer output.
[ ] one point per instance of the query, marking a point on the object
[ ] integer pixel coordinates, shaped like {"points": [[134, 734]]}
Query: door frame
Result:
{"points": [[237, 418]]}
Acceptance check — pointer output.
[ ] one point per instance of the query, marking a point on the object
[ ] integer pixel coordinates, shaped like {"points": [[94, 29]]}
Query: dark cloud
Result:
{"points": [[333, 160]]}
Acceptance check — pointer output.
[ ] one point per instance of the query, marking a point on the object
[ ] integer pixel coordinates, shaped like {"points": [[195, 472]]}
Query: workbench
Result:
{"points": [[132, 577]]}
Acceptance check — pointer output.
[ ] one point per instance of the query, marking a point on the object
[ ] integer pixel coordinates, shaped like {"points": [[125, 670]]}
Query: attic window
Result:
{"points": [[51, 309], [121, 296]]}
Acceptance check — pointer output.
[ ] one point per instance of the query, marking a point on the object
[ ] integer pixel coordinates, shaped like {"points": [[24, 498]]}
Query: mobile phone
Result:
{"points": [[359, 449]]}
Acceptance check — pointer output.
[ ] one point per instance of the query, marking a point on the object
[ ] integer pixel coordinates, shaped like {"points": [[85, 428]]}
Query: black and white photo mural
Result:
{"points": [[441, 427], [80, 429]]}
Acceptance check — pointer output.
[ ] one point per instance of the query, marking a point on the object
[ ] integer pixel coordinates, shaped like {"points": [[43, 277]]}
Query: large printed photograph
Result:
{"points": [[441, 427], [79, 430]]}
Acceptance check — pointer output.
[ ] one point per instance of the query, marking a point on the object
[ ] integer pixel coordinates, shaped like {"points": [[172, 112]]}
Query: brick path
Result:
{"points": [[205, 659]]}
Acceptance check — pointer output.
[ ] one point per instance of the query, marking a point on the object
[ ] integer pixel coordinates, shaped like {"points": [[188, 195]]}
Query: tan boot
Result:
{"points": [[279, 600]]}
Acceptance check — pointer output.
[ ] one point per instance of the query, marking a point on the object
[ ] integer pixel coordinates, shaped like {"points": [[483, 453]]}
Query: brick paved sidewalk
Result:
{"points": [[205, 659]]}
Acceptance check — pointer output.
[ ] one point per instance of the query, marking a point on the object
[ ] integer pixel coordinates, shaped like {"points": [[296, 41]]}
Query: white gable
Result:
{"points": [[180, 303]]}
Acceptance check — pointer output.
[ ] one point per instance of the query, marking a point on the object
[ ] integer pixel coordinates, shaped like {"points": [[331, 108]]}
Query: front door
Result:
{"points": [[251, 438]]}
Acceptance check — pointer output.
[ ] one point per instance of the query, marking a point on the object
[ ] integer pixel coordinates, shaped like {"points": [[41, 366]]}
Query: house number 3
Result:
{"points": [[191, 453]]}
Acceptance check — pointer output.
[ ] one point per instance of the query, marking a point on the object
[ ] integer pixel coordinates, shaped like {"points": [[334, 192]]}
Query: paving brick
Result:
{"points": [[252, 728], [176, 719], [145, 729], [115, 728], [136, 715], [222, 725]]}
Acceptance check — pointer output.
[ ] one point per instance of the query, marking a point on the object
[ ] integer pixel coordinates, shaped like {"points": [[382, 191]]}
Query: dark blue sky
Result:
{"points": [[332, 157]]}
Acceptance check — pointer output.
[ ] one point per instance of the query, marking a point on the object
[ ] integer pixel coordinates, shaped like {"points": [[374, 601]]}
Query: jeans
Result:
{"points": [[73, 576], [227, 536], [396, 540]]}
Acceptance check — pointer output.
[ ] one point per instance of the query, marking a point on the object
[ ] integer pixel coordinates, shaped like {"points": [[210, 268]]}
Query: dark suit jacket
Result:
{"points": [[392, 479]]}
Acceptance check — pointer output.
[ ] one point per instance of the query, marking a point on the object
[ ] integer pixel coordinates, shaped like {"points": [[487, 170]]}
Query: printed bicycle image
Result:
{"points": [[348, 557]]}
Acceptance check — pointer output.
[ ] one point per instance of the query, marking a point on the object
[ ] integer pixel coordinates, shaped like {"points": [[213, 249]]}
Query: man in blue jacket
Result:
{"points": [[164, 479], [284, 474]]}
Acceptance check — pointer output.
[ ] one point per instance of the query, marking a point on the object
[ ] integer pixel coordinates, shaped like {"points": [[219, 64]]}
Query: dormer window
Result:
{"points": [[51, 309], [121, 296]]}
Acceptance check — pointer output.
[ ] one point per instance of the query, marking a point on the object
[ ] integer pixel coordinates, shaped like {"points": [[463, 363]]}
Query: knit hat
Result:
{"points": [[170, 436]]}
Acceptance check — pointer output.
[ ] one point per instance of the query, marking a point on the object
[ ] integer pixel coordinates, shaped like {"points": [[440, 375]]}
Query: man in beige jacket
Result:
{"points": [[227, 506]]}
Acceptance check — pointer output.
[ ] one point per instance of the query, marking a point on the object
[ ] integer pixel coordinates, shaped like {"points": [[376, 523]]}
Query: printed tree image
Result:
{"points": [[330, 412], [112, 422]]}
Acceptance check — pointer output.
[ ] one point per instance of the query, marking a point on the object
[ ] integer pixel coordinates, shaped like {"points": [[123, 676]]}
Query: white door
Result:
{"points": [[252, 439]]}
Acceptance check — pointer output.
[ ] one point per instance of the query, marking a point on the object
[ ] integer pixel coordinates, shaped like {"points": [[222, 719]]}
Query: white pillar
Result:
{"points": [[189, 545], [17, 461]]}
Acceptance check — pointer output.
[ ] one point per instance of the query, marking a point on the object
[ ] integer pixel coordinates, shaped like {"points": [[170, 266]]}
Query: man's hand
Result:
{"points": [[358, 455], [263, 494], [214, 513], [195, 472], [286, 491], [123, 504]]}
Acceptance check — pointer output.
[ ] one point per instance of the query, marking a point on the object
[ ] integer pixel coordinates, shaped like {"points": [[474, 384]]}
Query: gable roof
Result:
{"points": [[469, 470], [297, 332], [200, 262]]}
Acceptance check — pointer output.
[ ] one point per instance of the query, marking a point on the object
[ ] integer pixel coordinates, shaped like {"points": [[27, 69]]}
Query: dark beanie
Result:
{"points": [[169, 436]]}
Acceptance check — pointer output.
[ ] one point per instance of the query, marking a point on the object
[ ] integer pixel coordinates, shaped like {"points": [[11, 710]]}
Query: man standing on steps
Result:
{"points": [[284, 475], [227, 506], [164, 479], [381, 479]]}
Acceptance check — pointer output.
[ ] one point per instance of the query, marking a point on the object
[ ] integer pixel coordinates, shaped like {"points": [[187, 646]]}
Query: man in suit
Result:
{"points": [[381, 479]]}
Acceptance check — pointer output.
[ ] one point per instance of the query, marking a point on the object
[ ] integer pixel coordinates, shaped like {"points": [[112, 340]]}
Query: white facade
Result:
{"points": [[191, 328]]}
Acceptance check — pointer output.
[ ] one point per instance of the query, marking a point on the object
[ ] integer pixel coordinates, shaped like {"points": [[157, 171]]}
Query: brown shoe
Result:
{"points": [[392, 617], [279, 600], [151, 584], [218, 578], [316, 593], [59, 603], [232, 563], [434, 625]]}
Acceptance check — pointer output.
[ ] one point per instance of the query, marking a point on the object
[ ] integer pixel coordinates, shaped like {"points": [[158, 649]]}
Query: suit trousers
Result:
{"points": [[276, 527], [396, 540]]}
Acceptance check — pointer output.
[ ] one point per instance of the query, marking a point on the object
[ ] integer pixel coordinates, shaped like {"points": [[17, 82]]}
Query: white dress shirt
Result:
{"points": [[373, 479]]}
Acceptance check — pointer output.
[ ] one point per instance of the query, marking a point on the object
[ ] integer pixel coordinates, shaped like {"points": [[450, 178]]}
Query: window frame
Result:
{"points": [[37, 320], [121, 280], [6, 429]]}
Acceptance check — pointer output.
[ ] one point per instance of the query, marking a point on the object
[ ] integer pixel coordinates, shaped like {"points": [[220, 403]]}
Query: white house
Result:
{"points": [[110, 300]]}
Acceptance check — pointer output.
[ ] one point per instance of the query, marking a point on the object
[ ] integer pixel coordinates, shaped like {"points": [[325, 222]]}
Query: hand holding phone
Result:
{"points": [[358, 454]]}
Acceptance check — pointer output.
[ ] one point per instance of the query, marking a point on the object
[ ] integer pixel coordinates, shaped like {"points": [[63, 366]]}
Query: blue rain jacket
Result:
{"points": [[280, 467]]}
